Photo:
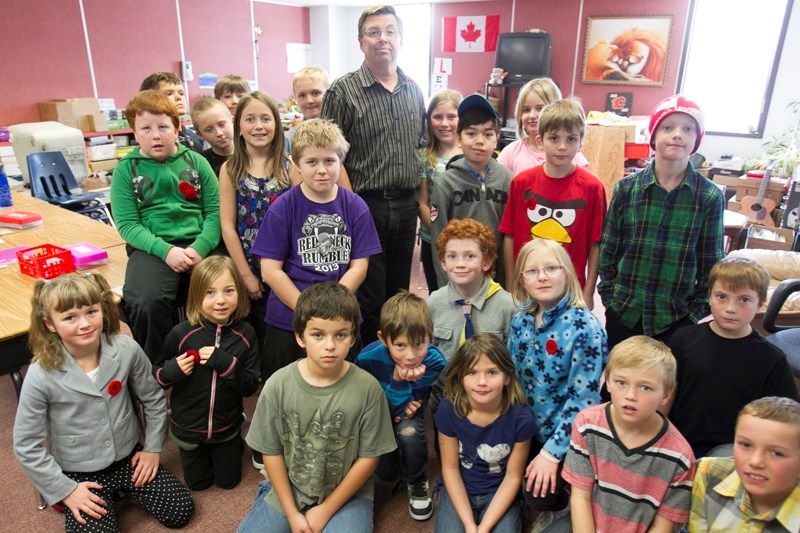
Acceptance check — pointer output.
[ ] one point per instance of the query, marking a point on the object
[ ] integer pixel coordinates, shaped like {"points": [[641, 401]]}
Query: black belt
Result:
{"points": [[392, 193]]}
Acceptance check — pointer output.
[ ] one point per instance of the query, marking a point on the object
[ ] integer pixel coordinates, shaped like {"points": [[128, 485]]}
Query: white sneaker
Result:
{"points": [[420, 504], [258, 460]]}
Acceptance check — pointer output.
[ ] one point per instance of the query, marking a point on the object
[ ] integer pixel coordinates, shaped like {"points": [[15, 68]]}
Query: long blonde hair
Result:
{"points": [[537, 246], [545, 88], [466, 357], [431, 147], [62, 294], [238, 162]]}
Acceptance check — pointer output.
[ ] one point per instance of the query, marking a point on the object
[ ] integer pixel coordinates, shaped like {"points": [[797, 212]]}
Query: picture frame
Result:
{"points": [[627, 50]]}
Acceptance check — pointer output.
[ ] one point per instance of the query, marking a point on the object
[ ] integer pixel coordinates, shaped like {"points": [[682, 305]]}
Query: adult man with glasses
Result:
{"points": [[381, 112]]}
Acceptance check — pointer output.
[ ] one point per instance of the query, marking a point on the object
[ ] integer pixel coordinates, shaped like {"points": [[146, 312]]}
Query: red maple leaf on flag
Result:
{"points": [[470, 34]]}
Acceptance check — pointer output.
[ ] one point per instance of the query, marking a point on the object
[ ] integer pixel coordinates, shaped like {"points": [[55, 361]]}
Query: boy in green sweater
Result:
{"points": [[165, 199]]}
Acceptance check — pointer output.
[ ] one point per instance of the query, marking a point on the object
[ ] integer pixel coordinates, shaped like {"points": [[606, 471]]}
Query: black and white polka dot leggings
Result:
{"points": [[166, 498]]}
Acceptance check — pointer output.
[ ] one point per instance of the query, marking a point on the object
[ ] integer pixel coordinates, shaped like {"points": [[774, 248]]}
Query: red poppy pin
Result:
{"points": [[551, 346], [194, 355], [531, 203], [114, 387], [188, 190]]}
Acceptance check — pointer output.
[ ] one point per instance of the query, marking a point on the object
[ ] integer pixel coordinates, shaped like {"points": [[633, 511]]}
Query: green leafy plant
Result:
{"points": [[783, 149]]}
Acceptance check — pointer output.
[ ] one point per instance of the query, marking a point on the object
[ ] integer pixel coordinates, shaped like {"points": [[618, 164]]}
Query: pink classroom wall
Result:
{"points": [[126, 49], [46, 56], [212, 50], [130, 40], [281, 24]]}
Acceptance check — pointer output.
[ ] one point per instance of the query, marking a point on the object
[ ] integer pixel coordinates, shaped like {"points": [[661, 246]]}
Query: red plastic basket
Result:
{"points": [[45, 261]]}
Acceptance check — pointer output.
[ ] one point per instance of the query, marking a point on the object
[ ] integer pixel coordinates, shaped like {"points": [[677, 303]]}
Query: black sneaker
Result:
{"points": [[258, 460], [420, 505]]}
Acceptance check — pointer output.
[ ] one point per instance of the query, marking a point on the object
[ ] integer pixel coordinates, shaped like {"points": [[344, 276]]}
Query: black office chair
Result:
{"points": [[787, 338], [52, 180]]}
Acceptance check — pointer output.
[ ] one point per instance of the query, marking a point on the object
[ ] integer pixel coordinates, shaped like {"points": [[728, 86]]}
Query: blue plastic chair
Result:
{"points": [[52, 180], [785, 337]]}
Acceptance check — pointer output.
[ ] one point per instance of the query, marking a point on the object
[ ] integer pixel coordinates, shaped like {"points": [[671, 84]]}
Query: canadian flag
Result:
{"points": [[470, 34]]}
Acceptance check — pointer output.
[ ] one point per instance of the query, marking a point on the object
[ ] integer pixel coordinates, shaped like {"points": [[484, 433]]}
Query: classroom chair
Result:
{"points": [[785, 337], [53, 181]]}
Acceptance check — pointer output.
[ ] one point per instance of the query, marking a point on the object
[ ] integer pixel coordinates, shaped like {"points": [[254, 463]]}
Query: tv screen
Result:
{"points": [[524, 55]]}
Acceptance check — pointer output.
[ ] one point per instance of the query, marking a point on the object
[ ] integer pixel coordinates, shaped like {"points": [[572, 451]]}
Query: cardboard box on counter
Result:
{"points": [[769, 238], [81, 113], [636, 129], [108, 165], [750, 186]]}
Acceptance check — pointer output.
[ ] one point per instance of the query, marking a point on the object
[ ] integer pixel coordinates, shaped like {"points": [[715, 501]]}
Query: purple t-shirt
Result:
{"points": [[316, 242]]}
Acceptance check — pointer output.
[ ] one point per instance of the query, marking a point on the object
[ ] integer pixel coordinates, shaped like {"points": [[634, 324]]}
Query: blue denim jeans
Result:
{"points": [[410, 459], [354, 516], [447, 520]]}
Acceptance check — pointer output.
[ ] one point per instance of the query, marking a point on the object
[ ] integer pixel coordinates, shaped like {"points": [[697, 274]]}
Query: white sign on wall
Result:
{"points": [[438, 83], [442, 65]]}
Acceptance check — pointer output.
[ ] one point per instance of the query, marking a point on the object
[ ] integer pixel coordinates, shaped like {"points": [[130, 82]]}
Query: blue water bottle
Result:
{"points": [[5, 190]]}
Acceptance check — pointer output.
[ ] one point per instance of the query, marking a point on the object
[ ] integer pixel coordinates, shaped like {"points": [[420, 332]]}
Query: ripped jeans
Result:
{"points": [[410, 459]]}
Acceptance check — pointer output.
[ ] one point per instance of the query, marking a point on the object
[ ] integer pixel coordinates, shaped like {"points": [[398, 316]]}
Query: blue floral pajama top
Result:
{"points": [[559, 367]]}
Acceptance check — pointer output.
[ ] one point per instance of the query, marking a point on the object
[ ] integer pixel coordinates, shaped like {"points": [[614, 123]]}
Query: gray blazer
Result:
{"points": [[85, 426]]}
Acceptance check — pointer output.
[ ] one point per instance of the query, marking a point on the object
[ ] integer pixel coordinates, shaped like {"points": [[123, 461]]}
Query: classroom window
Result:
{"points": [[733, 48]]}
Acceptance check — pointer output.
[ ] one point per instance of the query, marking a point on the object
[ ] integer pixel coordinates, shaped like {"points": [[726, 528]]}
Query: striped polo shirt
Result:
{"points": [[383, 128], [629, 487]]}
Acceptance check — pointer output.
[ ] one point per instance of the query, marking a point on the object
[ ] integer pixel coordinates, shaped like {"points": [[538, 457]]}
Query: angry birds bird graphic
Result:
{"points": [[550, 219]]}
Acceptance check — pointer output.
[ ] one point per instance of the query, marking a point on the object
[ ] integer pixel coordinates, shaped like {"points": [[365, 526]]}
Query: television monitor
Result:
{"points": [[524, 55]]}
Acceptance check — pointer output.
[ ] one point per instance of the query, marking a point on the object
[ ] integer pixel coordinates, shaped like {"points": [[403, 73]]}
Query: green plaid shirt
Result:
{"points": [[658, 248]]}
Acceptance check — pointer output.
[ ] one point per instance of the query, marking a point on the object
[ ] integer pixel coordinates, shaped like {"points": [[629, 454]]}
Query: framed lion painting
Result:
{"points": [[627, 50]]}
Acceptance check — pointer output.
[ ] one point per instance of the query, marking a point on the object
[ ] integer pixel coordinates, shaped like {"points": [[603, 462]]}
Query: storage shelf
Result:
{"points": [[89, 134]]}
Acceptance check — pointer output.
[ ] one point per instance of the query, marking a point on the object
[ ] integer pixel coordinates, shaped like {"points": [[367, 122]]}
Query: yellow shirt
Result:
{"points": [[728, 508]]}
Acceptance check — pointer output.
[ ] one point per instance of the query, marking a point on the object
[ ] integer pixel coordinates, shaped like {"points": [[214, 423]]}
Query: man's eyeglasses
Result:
{"points": [[391, 33], [533, 273]]}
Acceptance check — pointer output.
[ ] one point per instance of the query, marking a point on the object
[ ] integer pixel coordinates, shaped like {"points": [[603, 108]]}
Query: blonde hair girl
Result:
{"points": [[484, 436], [559, 350], [76, 434], [533, 249], [441, 144], [526, 152]]}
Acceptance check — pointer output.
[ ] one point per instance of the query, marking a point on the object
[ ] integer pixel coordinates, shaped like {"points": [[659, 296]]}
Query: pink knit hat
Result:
{"points": [[676, 104]]}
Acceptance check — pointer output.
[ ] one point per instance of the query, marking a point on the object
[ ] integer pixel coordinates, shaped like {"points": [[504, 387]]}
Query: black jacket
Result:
{"points": [[215, 388]]}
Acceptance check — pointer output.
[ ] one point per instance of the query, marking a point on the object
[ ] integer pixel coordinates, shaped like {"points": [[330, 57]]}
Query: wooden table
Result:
{"points": [[60, 227]]}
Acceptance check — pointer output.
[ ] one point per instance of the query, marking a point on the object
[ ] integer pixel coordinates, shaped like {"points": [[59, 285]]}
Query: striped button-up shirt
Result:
{"points": [[383, 128], [658, 248]]}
